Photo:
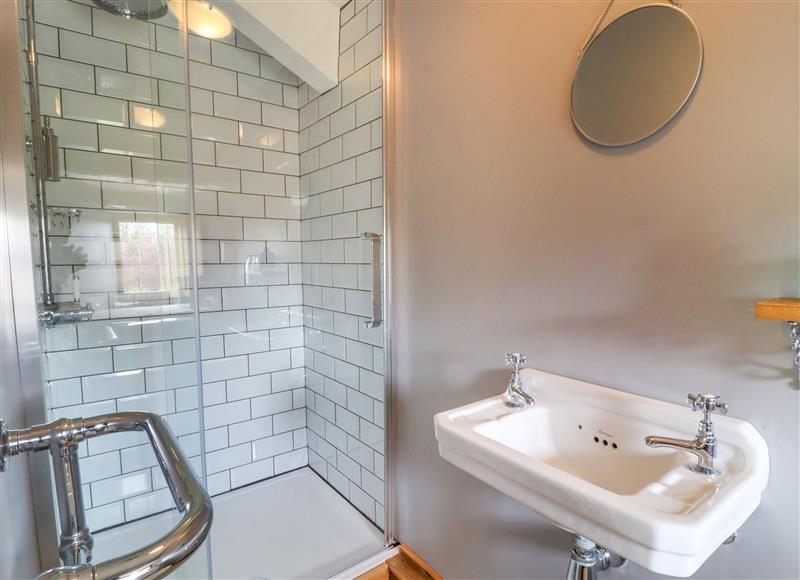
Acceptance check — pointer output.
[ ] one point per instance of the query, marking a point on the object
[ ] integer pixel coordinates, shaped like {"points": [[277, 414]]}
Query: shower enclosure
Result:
{"points": [[205, 242]]}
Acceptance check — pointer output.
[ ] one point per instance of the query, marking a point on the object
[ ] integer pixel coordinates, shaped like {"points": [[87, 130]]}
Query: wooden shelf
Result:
{"points": [[785, 309]]}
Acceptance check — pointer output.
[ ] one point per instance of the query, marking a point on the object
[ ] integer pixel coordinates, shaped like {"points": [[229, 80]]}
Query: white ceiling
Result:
{"points": [[303, 35]]}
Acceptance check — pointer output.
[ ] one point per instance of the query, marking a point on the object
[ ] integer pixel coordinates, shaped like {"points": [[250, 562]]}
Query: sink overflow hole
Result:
{"points": [[605, 441]]}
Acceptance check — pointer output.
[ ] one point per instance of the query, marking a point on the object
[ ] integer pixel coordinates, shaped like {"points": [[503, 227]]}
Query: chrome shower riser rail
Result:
{"points": [[32, 60], [44, 144], [155, 560]]}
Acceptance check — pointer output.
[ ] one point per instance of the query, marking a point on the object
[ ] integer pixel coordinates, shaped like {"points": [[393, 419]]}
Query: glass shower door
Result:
{"points": [[275, 290], [114, 198]]}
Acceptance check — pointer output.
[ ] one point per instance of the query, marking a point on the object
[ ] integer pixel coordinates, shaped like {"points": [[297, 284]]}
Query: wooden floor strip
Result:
{"points": [[407, 565], [378, 573]]}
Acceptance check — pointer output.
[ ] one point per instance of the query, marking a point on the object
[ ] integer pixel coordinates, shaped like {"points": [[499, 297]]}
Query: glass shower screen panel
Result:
{"points": [[119, 232]]}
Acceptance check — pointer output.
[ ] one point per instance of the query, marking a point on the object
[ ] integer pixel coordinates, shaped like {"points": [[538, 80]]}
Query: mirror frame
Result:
{"points": [[689, 93]]}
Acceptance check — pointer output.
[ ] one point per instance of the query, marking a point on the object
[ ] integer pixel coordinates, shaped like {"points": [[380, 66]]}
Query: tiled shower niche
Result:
{"points": [[288, 368]]}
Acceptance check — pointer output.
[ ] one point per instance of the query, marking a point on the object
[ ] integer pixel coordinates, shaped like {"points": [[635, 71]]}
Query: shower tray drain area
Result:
{"points": [[582, 445]]}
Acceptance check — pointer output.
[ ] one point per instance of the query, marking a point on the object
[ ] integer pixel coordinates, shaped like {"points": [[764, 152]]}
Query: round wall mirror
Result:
{"points": [[636, 75]]}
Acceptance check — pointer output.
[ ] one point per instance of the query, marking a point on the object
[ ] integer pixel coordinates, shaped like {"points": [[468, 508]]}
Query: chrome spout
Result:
{"points": [[705, 451], [704, 444]]}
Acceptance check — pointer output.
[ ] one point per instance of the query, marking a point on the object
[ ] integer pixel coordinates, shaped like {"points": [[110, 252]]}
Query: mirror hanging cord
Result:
{"points": [[600, 20], [596, 27]]}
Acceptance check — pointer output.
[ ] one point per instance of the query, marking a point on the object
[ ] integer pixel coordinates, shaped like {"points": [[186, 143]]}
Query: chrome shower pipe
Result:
{"points": [[75, 543], [48, 298]]}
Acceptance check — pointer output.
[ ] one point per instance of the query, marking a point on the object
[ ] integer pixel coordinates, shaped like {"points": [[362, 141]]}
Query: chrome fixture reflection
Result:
{"points": [[61, 439], [64, 217], [252, 268], [44, 145], [377, 287], [138, 9], [704, 445], [587, 557], [516, 397]]}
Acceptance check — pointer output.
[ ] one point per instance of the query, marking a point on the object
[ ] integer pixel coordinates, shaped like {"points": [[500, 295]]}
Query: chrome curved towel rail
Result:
{"points": [[155, 560]]}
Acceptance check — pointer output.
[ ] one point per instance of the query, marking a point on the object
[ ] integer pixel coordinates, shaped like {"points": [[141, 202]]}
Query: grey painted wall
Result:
{"points": [[635, 268]]}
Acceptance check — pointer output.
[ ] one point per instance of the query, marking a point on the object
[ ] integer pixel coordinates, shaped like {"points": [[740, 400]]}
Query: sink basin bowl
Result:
{"points": [[578, 458]]}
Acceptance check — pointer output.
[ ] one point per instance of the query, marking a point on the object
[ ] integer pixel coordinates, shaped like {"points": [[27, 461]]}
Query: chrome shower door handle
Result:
{"points": [[377, 285]]}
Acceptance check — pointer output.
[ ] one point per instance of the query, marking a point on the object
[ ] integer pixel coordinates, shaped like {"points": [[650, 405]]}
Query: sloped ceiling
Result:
{"points": [[302, 34]]}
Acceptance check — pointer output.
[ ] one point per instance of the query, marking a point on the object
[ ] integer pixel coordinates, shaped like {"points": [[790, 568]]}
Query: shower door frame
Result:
{"points": [[390, 420]]}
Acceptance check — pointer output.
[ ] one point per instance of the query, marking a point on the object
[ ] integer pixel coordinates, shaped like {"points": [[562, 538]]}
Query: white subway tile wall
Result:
{"points": [[114, 89], [341, 189], [285, 181]]}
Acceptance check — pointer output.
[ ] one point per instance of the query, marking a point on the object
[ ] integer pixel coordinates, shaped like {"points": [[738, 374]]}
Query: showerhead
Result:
{"points": [[139, 9]]}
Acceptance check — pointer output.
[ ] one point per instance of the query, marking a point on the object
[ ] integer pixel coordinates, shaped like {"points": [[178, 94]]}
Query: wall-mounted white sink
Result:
{"points": [[578, 458]]}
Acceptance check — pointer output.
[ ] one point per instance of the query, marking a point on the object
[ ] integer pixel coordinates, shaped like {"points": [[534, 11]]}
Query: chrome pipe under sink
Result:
{"points": [[587, 557]]}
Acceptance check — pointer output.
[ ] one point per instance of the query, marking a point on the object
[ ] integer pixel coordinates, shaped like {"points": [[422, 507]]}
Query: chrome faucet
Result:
{"points": [[704, 444], [515, 396]]}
